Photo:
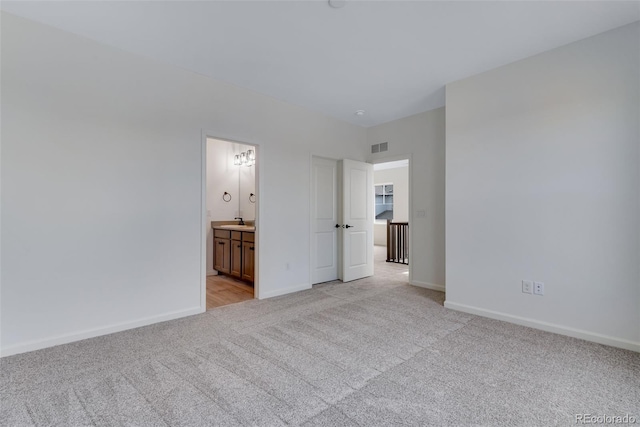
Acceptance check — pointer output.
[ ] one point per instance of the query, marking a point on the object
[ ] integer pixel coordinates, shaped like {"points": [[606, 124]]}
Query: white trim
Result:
{"points": [[310, 168], [212, 273], [289, 290], [426, 285], [259, 196], [548, 327], [95, 332], [394, 164], [203, 221]]}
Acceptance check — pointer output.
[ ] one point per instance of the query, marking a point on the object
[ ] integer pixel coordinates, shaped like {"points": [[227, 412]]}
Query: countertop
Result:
{"points": [[235, 227]]}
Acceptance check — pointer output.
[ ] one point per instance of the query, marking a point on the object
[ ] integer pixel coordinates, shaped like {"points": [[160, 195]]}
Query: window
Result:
{"points": [[384, 201]]}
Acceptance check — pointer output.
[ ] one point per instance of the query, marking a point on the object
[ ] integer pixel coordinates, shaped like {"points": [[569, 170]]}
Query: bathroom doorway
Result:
{"points": [[230, 200]]}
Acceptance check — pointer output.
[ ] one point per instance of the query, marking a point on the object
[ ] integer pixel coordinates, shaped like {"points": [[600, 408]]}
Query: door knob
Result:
{"points": [[337, 226], [348, 226]]}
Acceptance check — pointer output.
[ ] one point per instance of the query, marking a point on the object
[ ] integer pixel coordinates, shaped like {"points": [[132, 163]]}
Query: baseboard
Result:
{"points": [[284, 291], [92, 333], [426, 285], [212, 273], [548, 327]]}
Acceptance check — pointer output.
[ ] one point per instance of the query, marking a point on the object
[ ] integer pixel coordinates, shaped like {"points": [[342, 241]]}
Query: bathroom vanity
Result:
{"points": [[234, 251]]}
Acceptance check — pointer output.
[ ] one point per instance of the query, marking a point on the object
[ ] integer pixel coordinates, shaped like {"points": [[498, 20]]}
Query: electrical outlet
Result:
{"points": [[538, 288], [527, 286]]}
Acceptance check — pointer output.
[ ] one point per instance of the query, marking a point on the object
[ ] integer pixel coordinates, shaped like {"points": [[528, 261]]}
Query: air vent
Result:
{"points": [[379, 148]]}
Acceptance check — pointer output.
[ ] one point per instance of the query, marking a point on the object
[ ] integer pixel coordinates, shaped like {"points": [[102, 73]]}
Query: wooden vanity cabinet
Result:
{"points": [[248, 257], [222, 251], [234, 253]]}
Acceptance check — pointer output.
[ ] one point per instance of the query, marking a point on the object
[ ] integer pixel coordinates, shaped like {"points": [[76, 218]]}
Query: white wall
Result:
{"points": [[422, 138], [543, 184], [380, 234], [101, 185], [400, 179]]}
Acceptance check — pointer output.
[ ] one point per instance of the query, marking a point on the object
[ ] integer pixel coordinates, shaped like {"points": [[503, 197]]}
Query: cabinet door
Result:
{"points": [[248, 254], [222, 255], [236, 258]]}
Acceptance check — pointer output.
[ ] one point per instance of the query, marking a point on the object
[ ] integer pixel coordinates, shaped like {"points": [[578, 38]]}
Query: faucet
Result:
{"points": [[241, 220]]}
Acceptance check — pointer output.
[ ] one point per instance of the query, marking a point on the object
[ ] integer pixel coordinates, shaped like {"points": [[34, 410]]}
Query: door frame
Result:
{"points": [[408, 157], [205, 225]]}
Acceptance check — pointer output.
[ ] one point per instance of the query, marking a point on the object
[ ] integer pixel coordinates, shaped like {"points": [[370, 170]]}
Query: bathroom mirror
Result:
{"points": [[247, 191], [225, 175]]}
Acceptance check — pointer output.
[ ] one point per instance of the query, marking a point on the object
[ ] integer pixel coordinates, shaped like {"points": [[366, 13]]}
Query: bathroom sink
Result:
{"points": [[238, 227]]}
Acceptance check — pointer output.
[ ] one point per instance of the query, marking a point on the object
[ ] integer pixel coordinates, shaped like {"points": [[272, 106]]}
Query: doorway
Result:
{"points": [[392, 214], [230, 179]]}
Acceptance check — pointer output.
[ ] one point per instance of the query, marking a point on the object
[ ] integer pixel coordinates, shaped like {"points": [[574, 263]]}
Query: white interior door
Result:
{"points": [[324, 217], [357, 220]]}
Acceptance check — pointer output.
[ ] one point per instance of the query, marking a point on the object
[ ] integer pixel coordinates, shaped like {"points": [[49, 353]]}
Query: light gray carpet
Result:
{"points": [[372, 352]]}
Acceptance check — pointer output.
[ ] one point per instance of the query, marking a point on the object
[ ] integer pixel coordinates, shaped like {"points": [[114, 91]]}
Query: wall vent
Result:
{"points": [[379, 148]]}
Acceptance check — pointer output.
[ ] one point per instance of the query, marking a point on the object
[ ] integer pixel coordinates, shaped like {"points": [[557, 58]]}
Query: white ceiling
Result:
{"points": [[389, 58]]}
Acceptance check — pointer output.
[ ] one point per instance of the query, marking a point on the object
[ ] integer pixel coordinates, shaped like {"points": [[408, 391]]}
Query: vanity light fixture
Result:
{"points": [[251, 158], [247, 158]]}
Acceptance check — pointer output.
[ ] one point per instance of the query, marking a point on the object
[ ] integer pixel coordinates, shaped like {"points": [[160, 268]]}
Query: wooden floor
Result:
{"points": [[223, 290]]}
